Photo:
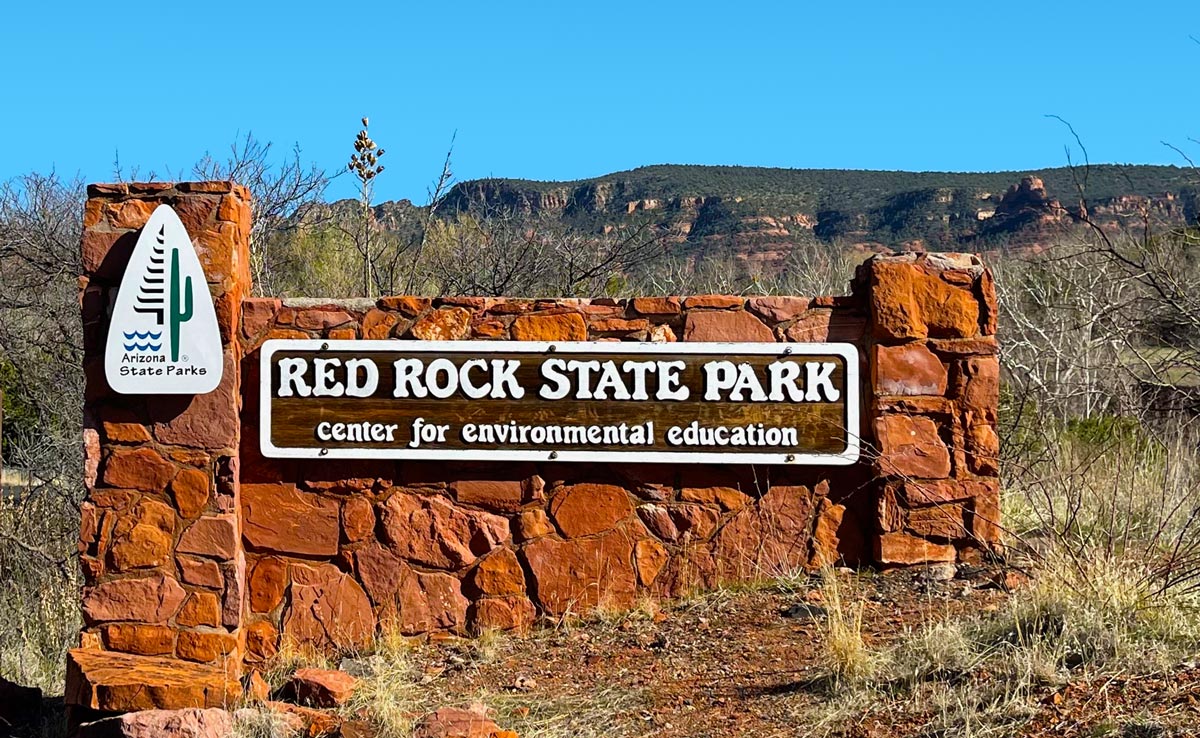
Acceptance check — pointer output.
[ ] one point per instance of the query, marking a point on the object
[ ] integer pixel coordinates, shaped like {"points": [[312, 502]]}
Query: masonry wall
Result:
{"points": [[197, 549], [436, 546], [160, 539]]}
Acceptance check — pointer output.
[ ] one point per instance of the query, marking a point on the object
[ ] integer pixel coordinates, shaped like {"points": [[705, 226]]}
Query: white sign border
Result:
{"points": [[847, 351]]}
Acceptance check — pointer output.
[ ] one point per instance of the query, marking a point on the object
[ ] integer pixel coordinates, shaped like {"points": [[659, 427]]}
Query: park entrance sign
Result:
{"points": [[336, 469], [163, 339], [749, 403]]}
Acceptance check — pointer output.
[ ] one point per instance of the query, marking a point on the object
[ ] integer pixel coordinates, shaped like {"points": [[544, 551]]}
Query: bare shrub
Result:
{"points": [[500, 253], [40, 355], [284, 192]]}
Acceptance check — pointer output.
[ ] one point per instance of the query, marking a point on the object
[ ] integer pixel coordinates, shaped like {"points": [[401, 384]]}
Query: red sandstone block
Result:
{"points": [[378, 324], [200, 572], [140, 468], [196, 213], [715, 302], [901, 549], [114, 682], [964, 347], [983, 450], [445, 324], [96, 246], [146, 600], [618, 325], [278, 517], [316, 319], [217, 246], [107, 189], [262, 641], [726, 327], [915, 405], [147, 640], [910, 447], [358, 518], [541, 327], [214, 537], [657, 305], [257, 313], [778, 309], [586, 509], [190, 490], [906, 302], [491, 328], [946, 521], [510, 306], [266, 584], [471, 303], [200, 609], [498, 573], [210, 421], [986, 289], [212, 186], [205, 646], [502, 613], [495, 495], [908, 369], [977, 383], [129, 213]]}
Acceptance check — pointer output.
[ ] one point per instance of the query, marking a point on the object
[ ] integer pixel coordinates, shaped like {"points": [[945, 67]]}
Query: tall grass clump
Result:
{"points": [[844, 649], [1108, 515]]}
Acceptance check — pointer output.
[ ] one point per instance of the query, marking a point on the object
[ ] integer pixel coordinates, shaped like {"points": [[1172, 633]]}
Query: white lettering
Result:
{"points": [[670, 385], [370, 378], [468, 387], [552, 370], [820, 381], [325, 384], [291, 375]]}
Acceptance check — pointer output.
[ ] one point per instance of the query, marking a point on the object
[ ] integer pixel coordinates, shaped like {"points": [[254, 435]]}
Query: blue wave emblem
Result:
{"points": [[147, 346], [142, 336]]}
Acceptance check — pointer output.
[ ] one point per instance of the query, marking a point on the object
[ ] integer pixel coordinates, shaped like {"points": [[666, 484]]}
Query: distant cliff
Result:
{"points": [[762, 214]]}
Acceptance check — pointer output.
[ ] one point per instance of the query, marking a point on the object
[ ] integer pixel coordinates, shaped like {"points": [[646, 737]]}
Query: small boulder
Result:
{"points": [[311, 721], [322, 687], [188, 723], [455, 722]]}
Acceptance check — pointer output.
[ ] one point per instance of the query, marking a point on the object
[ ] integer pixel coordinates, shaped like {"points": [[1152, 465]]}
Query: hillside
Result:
{"points": [[762, 213]]}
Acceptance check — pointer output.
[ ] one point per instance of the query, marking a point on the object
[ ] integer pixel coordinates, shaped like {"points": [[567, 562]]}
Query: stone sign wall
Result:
{"points": [[201, 556]]}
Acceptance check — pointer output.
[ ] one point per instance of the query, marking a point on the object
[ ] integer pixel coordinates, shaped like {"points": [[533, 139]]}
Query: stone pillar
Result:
{"points": [[160, 540], [933, 391]]}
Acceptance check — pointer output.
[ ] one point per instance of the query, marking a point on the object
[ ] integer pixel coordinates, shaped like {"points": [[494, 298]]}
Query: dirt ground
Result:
{"points": [[735, 663]]}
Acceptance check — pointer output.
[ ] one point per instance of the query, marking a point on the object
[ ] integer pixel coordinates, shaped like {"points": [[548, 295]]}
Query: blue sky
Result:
{"points": [[572, 90]]}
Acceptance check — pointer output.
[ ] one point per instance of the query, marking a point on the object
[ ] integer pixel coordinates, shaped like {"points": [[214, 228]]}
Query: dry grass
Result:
{"points": [[397, 687], [844, 649], [1107, 530], [260, 722], [394, 693]]}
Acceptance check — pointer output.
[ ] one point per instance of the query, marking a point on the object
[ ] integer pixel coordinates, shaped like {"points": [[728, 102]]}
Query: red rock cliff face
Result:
{"points": [[201, 555]]}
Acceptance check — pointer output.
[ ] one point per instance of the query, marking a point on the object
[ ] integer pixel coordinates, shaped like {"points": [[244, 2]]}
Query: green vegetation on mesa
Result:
{"points": [[888, 206], [811, 189]]}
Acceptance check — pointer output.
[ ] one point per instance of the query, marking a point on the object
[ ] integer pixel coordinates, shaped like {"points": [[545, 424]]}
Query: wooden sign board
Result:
{"points": [[751, 403]]}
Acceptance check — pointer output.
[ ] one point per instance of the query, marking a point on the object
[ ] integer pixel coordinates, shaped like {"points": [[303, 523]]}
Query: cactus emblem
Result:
{"points": [[178, 316], [163, 336]]}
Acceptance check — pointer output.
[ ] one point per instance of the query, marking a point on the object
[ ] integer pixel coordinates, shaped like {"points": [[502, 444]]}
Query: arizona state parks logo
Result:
{"points": [[163, 338]]}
